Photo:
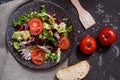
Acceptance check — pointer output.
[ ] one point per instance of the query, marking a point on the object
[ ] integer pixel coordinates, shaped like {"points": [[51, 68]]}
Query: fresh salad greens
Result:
{"points": [[53, 57], [25, 18], [47, 40], [17, 45]]}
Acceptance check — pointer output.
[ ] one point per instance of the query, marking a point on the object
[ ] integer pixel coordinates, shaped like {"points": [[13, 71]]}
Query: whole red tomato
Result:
{"points": [[107, 36], [88, 45]]}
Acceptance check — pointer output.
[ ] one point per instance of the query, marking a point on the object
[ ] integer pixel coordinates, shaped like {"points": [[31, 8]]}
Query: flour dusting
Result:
{"points": [[100, 49], [100, 9], [118, 13], [112, 78], [114, 26], [104, 72], [117, 51], [107, 18], [100, 60], [77, 43], [75, 21], [106, 24], [75, 38], [79, 31]]}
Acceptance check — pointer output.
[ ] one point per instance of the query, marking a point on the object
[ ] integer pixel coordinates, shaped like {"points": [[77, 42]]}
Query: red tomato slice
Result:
{"points": [[38, 56], [36, 26], [64, 43]]}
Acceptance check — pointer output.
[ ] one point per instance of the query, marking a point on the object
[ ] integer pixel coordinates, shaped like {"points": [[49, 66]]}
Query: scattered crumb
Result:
{"points": [[111, 60], [78, 31], [93, 28], [93, 55], [106, 24], [104, 72], [118, 13], [77, 43], [114, 26], [75, 21], [99, 6], [99, 10], [75, 38], [107, 18], [112, 78], [100, 60], [96, 58], [100, 49], [96, 30], [98, 23], [117, 51]]}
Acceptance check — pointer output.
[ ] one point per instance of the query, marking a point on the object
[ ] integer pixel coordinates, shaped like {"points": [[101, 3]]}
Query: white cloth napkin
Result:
{"points": [[10, 69]]}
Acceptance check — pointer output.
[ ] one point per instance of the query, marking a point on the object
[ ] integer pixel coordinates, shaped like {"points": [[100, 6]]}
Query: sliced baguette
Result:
{"points": [[74, 72]]}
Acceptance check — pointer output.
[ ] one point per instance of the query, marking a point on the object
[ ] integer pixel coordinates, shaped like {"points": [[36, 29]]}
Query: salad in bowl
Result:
{"points": [[40, 36]]}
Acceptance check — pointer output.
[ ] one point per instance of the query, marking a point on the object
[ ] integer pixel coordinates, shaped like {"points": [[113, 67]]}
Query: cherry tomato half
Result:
{"points": [[64, 43], [38, 56], [36, 26]]}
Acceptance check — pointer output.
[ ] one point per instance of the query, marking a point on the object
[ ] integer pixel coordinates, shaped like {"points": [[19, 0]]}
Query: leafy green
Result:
{"points": [[65, 19], [54, 57], [51, 19], [47, 56], [43, 8], [25, 18], [67, 31], [47, 34], [17, 45], [61, 28], [47, 26], [51, 56]]}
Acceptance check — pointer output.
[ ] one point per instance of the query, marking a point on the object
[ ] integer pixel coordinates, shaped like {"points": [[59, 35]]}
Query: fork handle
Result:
{"points": [[78, 6]]}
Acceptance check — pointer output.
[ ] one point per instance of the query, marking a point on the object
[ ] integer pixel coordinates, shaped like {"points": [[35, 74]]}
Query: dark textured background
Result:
{"points": [[105, 62]]}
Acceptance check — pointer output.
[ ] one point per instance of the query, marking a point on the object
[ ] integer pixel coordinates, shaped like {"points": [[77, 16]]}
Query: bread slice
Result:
{"points": [[74, 72]]}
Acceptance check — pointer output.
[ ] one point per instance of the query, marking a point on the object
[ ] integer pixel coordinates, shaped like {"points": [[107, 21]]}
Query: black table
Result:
{"points": [[105, 62]]}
